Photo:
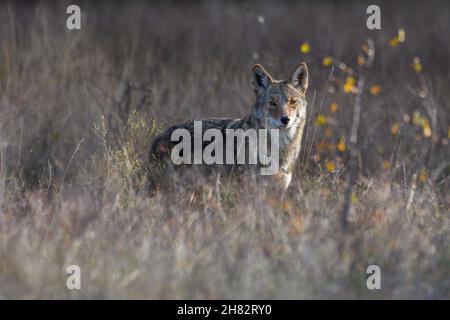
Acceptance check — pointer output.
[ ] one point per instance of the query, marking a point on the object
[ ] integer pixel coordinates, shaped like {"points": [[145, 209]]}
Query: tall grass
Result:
{"points": [[78, 110]]}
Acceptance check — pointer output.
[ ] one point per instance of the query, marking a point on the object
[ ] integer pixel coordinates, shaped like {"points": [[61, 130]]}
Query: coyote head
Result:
{"points": [[279, 103]]}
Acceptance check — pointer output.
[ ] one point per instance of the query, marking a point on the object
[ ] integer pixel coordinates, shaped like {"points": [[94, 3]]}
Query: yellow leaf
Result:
{"points": [[375, 90], [321, 120], [360, 60], [426, 130], [394, 42], [333, 107], [305, 47], [350, 80], [327, 61], [348, 88], [386, 164], [349, 85], [417, 66], [330, 166], [394, 128], [341, 145]]}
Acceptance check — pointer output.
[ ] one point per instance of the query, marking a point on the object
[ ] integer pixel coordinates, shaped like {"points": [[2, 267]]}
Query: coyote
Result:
{"points": [[279, 104]]}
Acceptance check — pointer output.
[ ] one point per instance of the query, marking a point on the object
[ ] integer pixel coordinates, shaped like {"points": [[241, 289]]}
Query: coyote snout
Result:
{"points": [[280, 105]]}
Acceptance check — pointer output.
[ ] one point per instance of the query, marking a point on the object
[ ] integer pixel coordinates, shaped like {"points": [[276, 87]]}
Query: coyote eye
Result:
{"points": [[272, 104], [293, 102]]}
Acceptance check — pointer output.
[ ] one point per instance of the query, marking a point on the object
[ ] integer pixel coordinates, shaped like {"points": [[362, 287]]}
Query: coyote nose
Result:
{"points": [[284, 120]]}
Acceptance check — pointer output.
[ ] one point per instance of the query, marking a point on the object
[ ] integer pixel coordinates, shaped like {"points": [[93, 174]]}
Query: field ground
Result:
{"points": [[78, 110]]}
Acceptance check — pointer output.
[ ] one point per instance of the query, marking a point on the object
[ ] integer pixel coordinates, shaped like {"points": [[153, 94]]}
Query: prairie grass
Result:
{"points": [[78, 110]]}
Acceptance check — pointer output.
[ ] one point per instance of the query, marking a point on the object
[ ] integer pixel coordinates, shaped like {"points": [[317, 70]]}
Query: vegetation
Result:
{"points": [[78, 110]]}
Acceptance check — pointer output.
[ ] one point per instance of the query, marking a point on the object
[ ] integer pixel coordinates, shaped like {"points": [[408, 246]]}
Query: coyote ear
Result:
{"points": [[299, 77], [261, 79]]}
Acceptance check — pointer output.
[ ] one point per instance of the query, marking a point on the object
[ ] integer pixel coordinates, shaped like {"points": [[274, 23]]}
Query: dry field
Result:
{"points": [[78, 110]]}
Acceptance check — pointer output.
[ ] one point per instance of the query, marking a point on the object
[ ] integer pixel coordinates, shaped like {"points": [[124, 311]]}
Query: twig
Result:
{"points": [[412, 191], [71, 159], [354, 150]]}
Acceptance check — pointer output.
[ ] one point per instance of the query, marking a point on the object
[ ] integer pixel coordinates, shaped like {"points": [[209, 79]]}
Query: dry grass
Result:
{"points": [[75, 125]]}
